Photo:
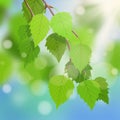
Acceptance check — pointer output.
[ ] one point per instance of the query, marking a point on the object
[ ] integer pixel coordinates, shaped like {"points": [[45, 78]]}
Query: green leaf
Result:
{"points": [[80, 56], [86, 35], [102, 82], [71, 71], [89, 91], [22, 42], [15, 23], [104, 89], [74, 73], [36, 6], [61, 23], [104, 96], [61, 89], [26, 44], [21, 39], [39, 28], [5, 67], [56, 45], [72, 38], [86, 73]]}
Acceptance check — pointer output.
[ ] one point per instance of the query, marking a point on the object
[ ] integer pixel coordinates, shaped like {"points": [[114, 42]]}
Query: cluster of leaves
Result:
{"points": [[28, 32], [89, 90]]}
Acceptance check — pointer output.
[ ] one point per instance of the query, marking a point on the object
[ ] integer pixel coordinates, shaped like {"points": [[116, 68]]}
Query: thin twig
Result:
{"points": [[68, 44], [49, 7], [75, 34], [29, 8]]}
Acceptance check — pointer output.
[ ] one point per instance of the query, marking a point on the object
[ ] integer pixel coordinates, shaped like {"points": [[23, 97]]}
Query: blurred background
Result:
{"points": [[24, 93]]}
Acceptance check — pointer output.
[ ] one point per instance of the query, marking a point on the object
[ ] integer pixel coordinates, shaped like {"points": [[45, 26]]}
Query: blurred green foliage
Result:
{"points": [[39, 69], [86, 35], [4, 5], [89, 18], [5, 67], [87, 22], [113, 56]]}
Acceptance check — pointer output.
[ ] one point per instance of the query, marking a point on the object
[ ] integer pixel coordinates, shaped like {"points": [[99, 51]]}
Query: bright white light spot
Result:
{"points": [[80, 10], [24, 55], [7, 44], [6, 88], [114, 71], [44, 108]]}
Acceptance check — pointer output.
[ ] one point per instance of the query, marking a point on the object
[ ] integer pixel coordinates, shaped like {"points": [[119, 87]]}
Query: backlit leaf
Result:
{"points": [[39, 28], [26, 44], [61, 89], [80, 56], [104, 89], [56, 45], [36, 6], [89, 91], [75, 74], [61, 23]]}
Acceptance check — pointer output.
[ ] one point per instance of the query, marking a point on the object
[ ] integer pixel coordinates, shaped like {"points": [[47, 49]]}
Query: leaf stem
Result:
{"points": [[75, 34], [52, 13], [29, 8], [49, 7], [68, 44]]}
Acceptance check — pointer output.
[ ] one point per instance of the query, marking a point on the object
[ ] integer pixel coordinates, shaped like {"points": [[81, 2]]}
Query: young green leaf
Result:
{"points": [[61, 23], [74, 73], [104, 96], [89, 91], [39, 28], [22, 42], [15, 23], [61, 89], [71, 71], [104, 89], [56, 45], [36, 6], [102, 82], [86, 72], [26, 45], [80, 56]]}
